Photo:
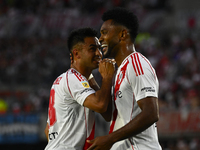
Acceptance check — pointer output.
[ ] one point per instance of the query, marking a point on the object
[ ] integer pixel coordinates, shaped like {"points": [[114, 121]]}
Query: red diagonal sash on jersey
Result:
{"points": [[91, 137], [119, 80], [114, 119]]}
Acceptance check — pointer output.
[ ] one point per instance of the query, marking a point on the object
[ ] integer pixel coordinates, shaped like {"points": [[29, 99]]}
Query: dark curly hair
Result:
{"points": [[125, 17], [78, 36]]}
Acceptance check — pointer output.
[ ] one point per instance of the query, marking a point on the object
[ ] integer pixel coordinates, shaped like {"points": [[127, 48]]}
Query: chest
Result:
{"points": [[121, 85]]}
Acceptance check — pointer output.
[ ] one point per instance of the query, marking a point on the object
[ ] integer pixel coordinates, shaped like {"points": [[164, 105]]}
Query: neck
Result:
{"points": [[123, 53], [84, 71]]}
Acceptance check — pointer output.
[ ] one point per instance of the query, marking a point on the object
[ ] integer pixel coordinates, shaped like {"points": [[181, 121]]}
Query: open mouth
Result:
{"points": [[104, 47]]}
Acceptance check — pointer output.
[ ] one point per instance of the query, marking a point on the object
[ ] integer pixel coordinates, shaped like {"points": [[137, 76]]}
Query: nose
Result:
{"points": [[101, 39]]}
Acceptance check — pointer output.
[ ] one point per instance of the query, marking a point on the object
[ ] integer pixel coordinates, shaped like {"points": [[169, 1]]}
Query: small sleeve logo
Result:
{"points": [[85, 84]]}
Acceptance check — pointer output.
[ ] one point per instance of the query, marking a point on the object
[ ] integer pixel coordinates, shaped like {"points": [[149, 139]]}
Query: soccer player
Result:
{"points": [[72, 101], [135, 89]]}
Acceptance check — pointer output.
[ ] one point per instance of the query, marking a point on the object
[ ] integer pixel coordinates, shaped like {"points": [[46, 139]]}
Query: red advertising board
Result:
{"points": [[179, 123]]}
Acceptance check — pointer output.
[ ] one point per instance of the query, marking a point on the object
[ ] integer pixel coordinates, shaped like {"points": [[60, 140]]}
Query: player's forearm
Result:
{"points": [[103, 96], [99, 101], [141, 122], [108, 114], [93, 84]]}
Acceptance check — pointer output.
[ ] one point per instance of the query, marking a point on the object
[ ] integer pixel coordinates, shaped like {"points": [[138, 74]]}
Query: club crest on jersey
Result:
{"points": [[85, 84], [121, 75]]}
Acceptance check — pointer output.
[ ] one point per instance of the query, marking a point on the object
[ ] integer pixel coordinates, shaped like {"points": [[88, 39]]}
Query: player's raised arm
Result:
{"points": [[99, 101], [93, 83]]}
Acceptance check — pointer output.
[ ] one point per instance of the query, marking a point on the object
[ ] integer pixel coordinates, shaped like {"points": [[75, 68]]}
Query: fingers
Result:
{"points": [[106, 62], [109, 60], [91, 147], [113, 60], [90, 141], [107, 68]]}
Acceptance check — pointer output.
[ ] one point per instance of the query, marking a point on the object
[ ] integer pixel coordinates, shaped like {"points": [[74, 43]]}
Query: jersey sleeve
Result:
{"points": [[79, 89], [143, 81]]}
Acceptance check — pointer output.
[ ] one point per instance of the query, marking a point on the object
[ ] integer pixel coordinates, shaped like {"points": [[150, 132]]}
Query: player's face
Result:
{"points": [[91, 54], [109, 38]]}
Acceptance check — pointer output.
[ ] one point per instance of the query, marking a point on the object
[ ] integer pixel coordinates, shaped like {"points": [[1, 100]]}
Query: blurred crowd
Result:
{"points": [[176, 60], [33, 49], [36, 62], [28, 67]]}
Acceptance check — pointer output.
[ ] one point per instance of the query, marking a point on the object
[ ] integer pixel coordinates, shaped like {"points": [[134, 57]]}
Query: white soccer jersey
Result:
{"points": [[135, 79], [70, 123]]}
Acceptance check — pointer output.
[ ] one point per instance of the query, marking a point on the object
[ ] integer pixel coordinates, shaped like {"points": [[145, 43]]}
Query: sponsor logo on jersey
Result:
{"points": [[148, 89], [120, 78], [85, 91], [85, 84], [118, 94], [53, 135]]}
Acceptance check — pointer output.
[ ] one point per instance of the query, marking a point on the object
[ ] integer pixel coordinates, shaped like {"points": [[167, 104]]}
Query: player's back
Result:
{"points": [[68, 120]]}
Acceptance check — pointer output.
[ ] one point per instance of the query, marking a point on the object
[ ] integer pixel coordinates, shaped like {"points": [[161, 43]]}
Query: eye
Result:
{"points": [[103, 32], [93, 49]]}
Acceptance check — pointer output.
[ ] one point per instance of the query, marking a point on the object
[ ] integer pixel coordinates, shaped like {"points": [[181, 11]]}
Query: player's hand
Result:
{"points": [[107, 68], [100, 143]]}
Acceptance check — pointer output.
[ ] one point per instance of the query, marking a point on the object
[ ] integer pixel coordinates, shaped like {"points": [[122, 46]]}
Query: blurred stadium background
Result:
{"points": [[33, 53]]}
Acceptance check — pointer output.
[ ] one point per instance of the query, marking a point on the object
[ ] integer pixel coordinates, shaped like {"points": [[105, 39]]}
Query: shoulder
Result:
{"points": [[139, 62], [74, 74], [59, 79], [137, 65], [134, 63]]}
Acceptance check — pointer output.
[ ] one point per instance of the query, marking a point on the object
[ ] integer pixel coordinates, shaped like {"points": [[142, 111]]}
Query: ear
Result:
{"points": [[76, 53], [123, 34]]}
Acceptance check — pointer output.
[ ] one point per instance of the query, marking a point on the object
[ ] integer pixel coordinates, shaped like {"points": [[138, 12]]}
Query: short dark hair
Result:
{"points": [[125, 17], [78, 35]]}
